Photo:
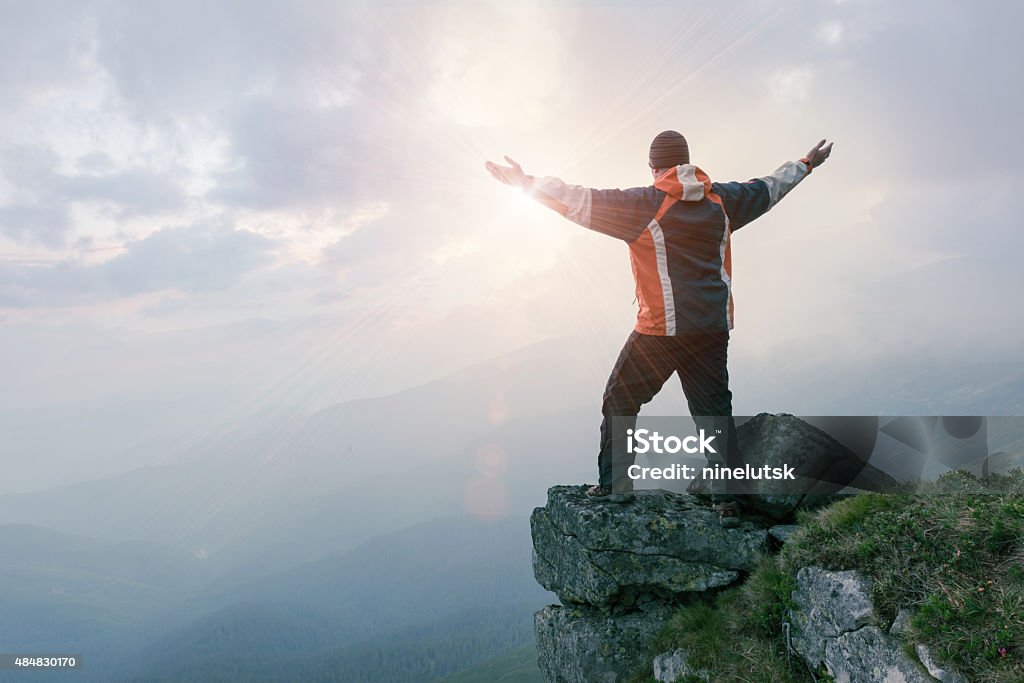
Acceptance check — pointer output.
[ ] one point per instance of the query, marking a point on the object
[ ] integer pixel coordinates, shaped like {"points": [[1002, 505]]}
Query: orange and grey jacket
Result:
{"points": [[678, 234]]}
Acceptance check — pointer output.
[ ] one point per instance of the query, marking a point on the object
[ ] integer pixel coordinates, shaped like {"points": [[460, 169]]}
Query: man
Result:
{"points": [[678, 231]]}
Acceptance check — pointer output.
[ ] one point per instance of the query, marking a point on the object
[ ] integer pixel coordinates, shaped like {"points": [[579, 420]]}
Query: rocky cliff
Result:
{"points": [[620, 571]]}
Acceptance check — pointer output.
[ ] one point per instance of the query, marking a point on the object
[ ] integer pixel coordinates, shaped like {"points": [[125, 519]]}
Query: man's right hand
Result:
{"points": [[510, 175], [816, 157]]}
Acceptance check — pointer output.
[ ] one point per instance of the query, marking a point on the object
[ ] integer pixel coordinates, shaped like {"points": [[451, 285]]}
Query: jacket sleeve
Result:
{"points": [[743, 202], [619, 213]]}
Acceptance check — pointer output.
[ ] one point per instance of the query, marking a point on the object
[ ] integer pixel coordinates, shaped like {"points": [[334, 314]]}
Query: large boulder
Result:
{"points": [[582, 644], [663, 546], [823, 466]]}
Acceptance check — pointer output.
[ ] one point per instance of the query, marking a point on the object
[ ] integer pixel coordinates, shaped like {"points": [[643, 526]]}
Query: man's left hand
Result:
{"points": [[816, 157]]}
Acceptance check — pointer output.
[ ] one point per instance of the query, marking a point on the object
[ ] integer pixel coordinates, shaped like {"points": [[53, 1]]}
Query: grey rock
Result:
{"points": [[821, 465], [869, 656], [999, 462], [1004, 463], [901, 624], [835, 624], [670, 667], [662, 546], [827, 604], [939, 672], [580, 644], [782, 532]]}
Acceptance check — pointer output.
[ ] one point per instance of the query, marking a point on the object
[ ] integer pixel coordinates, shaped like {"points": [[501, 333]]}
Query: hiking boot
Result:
{"points": [[729, 514], [606, 493]]}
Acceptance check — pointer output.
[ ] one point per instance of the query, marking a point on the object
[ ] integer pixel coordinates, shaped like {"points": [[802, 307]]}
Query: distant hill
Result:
{"points": [[411, 605], [415, 575], [518, 666], [68, 564], [277, 643], [415, 604], [59, 589], [94, 598], [284, 489]]}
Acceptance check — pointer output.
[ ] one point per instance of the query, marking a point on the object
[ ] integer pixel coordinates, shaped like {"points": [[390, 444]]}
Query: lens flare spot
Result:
{"points": [[497, 409], [491, 461], [487, 498]]}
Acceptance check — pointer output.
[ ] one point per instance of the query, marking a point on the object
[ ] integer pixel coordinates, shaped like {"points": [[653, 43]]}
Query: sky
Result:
{"points": [[210, 208]]}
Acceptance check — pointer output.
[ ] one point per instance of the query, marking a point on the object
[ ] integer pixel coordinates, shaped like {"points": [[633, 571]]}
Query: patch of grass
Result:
{"points": [[953, 552], [737, 634]]}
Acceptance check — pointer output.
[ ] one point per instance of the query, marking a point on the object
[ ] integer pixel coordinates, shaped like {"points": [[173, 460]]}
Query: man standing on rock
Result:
{"points": [[678, 231]]}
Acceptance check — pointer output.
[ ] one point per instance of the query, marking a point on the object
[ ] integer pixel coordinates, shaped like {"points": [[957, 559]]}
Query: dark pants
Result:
{"points": [[644, 365]]}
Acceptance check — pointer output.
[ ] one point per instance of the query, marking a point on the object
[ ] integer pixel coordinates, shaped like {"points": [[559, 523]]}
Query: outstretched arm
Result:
{"points": [[571, 201], [743, 202], [786, 177], [618, 213]]}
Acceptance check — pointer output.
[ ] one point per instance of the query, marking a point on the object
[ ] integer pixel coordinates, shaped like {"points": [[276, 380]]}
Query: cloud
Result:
{"points": [[288, 120], [193, 258], [36, 222], [43, 46], [297, 110], [39, 210], [195, 57], [288, 155], [133, 191], [33, 214], [791, 85], [830, 32], [196, 258]]}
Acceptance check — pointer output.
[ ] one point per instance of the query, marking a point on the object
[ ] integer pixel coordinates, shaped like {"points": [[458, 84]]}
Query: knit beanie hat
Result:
{"points": [[669, 149]]}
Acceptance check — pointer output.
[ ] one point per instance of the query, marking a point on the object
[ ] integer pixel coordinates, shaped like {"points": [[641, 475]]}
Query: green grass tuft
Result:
{"points": [[737, 635]]}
